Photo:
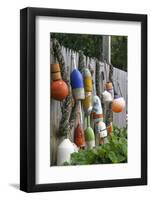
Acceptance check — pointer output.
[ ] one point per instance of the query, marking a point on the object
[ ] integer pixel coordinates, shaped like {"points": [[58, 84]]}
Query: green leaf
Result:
{"points": [[112, 156]]}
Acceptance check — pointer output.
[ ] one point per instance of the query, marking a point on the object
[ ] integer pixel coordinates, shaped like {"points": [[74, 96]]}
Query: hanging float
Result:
{"points": [[64, 151], [77, 82], [59, 89], [118, 104], [79, 138], [101, 131], [97, 111], [87, 102], [107, 97], [99, 125], [89, 135]]}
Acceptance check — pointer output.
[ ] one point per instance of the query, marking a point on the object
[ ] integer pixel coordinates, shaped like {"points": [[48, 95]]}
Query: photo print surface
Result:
{"points": [[88, 103]]}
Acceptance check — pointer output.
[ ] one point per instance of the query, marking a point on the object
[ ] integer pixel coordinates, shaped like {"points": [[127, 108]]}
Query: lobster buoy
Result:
{"points": [[64, 151], [97, 112], [89, 136], [107, 96], [109, 88], [101, 129], [118, 104], [59, 89], [79, 138], [87, 80], [77, 85], [87, 102]]}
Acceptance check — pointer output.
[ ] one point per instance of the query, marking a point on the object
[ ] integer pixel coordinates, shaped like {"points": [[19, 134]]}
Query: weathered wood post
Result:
{"points": [[106, 48]]}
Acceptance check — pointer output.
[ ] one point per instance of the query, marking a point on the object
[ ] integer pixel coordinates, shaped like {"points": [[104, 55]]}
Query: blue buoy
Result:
{"points": [[77, 85], [76, 79]]}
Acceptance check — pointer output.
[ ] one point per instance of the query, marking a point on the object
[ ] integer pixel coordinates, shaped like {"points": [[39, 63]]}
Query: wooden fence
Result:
{"points": [[119, 76]]}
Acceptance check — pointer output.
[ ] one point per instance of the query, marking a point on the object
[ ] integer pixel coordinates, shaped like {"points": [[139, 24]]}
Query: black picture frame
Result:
{"points": [[28, 98]]}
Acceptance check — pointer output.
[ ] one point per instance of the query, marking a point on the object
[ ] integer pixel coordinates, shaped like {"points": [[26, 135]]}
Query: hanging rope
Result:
{"points": [[98, 80], [66, 105]]}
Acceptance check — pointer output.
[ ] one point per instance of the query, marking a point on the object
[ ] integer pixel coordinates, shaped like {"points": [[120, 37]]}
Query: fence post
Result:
{"points": [[106, 48]]}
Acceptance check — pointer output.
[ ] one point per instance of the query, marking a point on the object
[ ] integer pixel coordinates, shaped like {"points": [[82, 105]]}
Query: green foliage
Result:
{"points": [[119, 52], [115, 151], [91, 45]]}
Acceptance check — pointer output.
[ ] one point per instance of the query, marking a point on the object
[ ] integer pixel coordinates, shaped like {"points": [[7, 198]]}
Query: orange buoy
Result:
{"points": [[59, 89], [79, 138], [118, 104]]}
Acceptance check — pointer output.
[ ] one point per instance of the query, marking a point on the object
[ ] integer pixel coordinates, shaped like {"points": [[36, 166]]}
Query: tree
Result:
{"points": [[91, 45]]}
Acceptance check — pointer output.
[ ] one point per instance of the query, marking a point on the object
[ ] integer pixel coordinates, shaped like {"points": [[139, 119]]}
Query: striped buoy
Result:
{"points": [[97, 112], [59, 89], [101, 129], [89, 135], [87, 102], [77, 83]]}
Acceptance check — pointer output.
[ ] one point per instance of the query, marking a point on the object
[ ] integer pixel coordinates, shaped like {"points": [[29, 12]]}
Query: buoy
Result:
{"points": [[109, 88], [59, 89], [118, 104], [101, 130], [77, 85], [55, 72], [97, 112], [87, 102], [89, 136], [87, 80], [107, 96], [79, 138], [64, 151]]}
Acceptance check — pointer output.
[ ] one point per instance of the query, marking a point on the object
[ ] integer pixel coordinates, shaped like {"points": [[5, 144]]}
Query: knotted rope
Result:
{"points": [[66, 105]]}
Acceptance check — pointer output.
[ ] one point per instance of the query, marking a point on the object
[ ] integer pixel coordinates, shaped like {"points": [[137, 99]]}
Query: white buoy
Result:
{"points": [[64, 151], [107, 97], [97, 109], [101, 129]]}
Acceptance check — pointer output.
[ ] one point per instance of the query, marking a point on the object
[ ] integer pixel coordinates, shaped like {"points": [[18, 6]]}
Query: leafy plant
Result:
{"points": [[115, 151]]}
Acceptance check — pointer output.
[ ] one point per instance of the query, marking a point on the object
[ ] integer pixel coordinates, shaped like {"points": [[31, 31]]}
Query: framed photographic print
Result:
{"points": [[83, 99]]}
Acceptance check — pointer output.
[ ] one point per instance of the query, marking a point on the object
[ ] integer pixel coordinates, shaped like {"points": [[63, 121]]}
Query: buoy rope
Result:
{"points": [[66, 105], [97, 79]]}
